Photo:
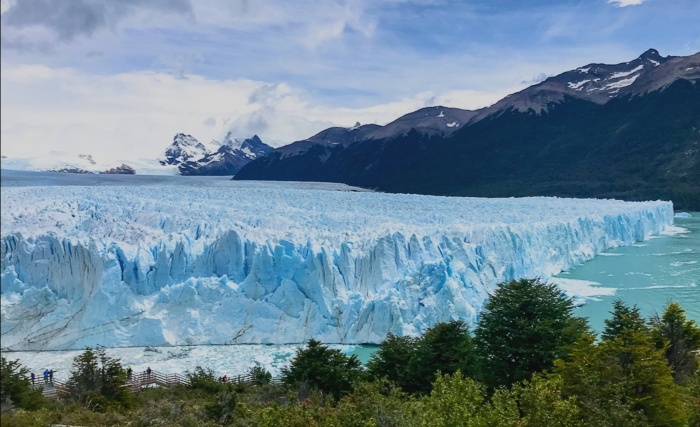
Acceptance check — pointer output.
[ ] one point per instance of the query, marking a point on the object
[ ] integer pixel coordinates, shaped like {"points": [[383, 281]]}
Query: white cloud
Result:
{"points": [[625, 3], [135, 115]]}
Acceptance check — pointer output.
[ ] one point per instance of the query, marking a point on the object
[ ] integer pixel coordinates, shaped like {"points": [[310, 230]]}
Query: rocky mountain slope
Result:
{"points": [[629, 131], [219, 158]]}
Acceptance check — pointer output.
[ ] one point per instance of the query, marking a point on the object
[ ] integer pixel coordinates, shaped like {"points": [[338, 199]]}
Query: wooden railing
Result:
{"points": [[50, 388], [139, 381]]}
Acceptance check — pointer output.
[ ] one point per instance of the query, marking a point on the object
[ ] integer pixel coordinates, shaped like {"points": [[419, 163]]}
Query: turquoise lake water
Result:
{"points": [[649, 274]]}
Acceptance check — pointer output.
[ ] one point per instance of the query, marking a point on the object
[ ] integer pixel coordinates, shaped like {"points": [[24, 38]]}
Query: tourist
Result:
{"points": [[33, 378], [46, 376]]}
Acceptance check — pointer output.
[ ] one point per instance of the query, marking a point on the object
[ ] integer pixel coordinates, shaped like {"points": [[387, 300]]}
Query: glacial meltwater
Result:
{"points": [[650, 274]]}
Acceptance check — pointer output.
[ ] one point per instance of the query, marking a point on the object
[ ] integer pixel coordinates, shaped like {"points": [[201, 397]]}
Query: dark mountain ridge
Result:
{"points": [[629, 131]]}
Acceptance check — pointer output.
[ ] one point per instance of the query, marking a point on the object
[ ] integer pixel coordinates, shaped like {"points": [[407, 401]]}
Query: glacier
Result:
{"points": [[186, 261]]}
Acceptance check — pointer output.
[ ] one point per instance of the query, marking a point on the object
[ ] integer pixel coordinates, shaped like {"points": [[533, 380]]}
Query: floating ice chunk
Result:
{"points": [[582, 290], [682, 215]]}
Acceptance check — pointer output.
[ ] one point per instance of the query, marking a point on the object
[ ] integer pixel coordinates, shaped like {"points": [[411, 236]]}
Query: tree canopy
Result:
{"points": [[525, 326]]}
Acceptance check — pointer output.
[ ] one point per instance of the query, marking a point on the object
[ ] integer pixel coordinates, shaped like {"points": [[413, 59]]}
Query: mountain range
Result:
{"points": [[628, 131], [220, 158]]}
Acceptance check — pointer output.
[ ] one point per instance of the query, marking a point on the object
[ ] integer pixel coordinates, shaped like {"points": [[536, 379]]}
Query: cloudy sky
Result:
{"points": [[118, 78]]}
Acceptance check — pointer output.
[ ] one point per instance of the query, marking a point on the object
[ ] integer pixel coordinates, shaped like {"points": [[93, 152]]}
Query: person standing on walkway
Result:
{"points": [[51, 376], [46, 376], [33, 378], [148, 373]]}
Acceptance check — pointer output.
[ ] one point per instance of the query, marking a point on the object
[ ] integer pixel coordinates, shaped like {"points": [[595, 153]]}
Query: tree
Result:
{"points": [[413, 363], [525, 326], [460, 401], [445, 348], [324, 369], [260, 375], [15, 387], [98, 380], [622, 382], [623, 318], [392, 359], [681, 339]]}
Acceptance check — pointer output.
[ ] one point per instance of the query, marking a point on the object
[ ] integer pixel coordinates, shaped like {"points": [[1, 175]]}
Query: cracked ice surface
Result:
{"points": [[217, 262]]}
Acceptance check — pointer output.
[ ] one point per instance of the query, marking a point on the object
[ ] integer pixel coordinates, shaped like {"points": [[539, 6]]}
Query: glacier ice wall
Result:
{"points": [[222, 262]]}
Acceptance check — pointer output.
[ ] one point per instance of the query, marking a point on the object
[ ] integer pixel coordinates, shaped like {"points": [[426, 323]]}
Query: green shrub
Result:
{"points": [[98, 381], [324, 369], [15, 387]]}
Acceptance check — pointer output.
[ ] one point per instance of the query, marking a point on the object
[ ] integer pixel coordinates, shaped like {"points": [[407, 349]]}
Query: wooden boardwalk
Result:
{"points": [[137, 382]]}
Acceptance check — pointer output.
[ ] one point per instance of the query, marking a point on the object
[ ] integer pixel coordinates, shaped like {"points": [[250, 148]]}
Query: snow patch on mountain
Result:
{"points": [[626, 73], [220, 261], [621, 83]]}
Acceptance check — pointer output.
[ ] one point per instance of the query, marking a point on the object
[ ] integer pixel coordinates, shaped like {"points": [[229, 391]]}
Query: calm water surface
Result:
{"points": [[649, 274]]}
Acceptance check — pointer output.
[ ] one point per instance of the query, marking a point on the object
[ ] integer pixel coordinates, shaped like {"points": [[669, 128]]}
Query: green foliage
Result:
{"points": [[681, 339], [445, 348], [542, 404], [525, 326], [623, 318], [204, 379], [622, 382], [375, 404], [260, 375], [692, 392], [223, 407], [391, 360], [414, 363], [15, 386], [324, 369], [460, 401], [98, 381]]}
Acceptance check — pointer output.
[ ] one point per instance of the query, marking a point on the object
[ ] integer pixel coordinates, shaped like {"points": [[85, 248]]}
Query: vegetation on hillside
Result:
{"points": [[529, 362]]}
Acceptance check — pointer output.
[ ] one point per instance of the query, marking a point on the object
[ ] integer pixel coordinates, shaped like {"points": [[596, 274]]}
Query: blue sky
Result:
{"points": [[121, 77]]}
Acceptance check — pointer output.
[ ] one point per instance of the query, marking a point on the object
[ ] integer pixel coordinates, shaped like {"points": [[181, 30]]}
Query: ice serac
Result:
{"points": [[229, 262]]}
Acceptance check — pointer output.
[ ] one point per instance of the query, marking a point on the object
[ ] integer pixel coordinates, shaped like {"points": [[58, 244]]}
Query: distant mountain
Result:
{"points": [[220, 158], [184, 148], [68, 162], [629, 131]]}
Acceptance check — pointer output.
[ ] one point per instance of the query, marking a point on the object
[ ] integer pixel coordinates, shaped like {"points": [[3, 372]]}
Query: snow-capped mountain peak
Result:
{"points": [[184, 148], [601, 82], [218, 158]]}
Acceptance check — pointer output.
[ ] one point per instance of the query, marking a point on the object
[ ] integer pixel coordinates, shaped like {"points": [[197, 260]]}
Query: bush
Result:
{"points": [[413, 363], [15, 386], [204, 379], [391, 360], [98, 381], [260, 375], [324, 369], [622, 382]]}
